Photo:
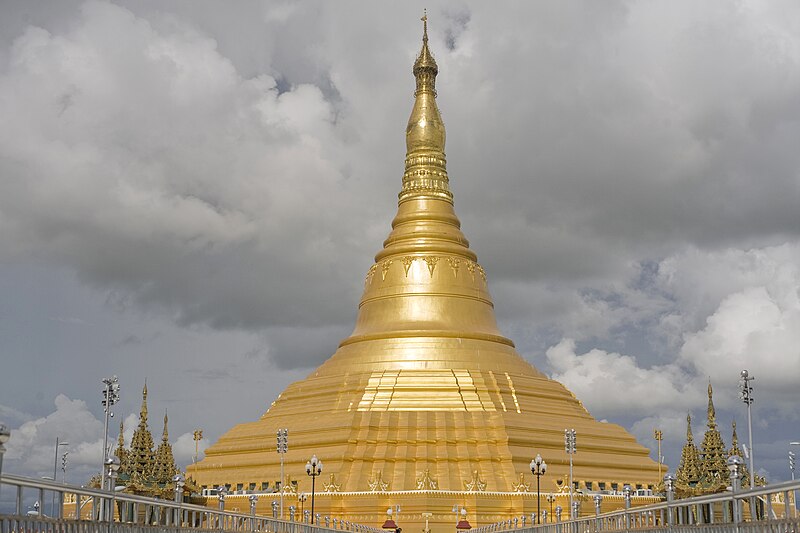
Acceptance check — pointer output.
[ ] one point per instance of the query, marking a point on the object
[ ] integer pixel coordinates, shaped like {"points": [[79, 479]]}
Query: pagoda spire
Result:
{"points": [[689, 470], [426, 282], [712, 413], [712, 451], [121, 452], [164, 465], [141, 453], [426, 172]]}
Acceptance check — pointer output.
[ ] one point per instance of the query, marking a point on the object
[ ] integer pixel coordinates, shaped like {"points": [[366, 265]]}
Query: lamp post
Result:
{"points": [[221, 492], [302, 498], [313, 469], [283, 447], [538, 468], [659, 436], [55, 470], [626, 495], [734, 462], [791, 467], [113, 467], [598, 502], [551, 498], [5, 434], [570, 446], [669, 487], [253, 501], [179, 481], [747, 398], [110, 397], [197, 436]]}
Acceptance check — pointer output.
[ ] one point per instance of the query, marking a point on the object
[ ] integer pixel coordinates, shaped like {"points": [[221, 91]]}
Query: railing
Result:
{"points": [[84, 510], [769, 509]]}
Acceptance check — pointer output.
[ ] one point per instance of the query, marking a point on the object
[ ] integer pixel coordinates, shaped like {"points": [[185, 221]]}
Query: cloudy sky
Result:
{"points": [[191, 193]]}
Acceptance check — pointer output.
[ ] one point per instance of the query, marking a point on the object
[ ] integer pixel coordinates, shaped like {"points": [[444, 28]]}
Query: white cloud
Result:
{"points": [[31, 448], [611, 383]]}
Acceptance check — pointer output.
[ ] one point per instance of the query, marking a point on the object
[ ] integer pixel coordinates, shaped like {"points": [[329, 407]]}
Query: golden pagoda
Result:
{"points": [[426, 405]]}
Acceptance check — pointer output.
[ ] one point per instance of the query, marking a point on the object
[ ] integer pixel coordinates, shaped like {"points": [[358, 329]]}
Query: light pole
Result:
{"points": [[791, 467], [113, 467], [659, 436], [747, 398], [734, 462], [283, 447], [551, 498], [313, 469], [55, 470], [669, 487], [197, 435], [110, 397], [253, 501], [538, 468], [302, 498], [64, 467], [570, 446], [5, 434], [180, 482]]}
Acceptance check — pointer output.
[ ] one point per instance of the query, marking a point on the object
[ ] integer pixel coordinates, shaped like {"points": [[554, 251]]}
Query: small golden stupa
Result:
{"points": [[427, 406]]}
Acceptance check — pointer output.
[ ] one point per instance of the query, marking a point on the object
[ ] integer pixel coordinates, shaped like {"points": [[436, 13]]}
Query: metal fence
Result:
{"points": [[82, 510], [770, 509]]}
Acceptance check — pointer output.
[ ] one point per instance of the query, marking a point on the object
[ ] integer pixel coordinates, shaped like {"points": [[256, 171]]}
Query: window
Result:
{"points": [[252, 486], [265, 486]]}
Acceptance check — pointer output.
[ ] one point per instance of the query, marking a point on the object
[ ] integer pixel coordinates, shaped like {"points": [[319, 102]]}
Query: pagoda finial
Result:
{"points": [[165, 435], [712, 413], [426, 172], [143, 411], [689, 436]]}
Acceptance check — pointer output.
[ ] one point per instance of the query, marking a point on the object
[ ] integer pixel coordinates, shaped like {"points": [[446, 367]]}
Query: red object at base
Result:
{"points": [[389, 524], [463, 524]]}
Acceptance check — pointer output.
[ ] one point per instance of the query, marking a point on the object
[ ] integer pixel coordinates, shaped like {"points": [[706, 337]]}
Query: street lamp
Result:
{"points": [[538, 468], [734, 463], [570, 446], [659, 436], [313, 469], [747, 398], [302, 498], [791, 468], [5, 434], [110, 397], [197, 436], [283, 447], [551, 498], [64, 467], [253, 501], [180, 482], [55, 469], [113, 467]]}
